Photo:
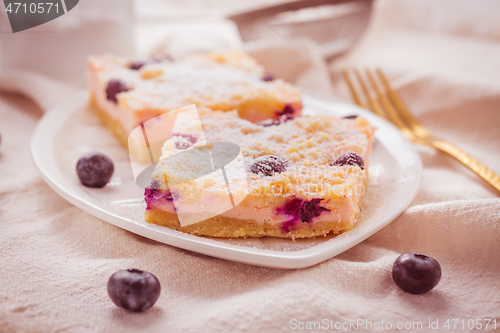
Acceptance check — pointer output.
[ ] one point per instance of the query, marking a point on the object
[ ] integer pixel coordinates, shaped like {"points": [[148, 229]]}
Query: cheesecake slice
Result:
{"points": [[300, 177], [128, 92]]}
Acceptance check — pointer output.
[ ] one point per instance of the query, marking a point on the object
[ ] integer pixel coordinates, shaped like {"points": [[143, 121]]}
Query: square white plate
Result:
{"points": [[71, 129]]}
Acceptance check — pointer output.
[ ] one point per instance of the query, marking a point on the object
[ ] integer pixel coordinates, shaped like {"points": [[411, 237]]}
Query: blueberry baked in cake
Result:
{"points": [[302, 177], [128, 92]]}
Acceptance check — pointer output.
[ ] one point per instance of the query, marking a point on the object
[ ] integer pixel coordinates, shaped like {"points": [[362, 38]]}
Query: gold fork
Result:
{"points": [[389, 105]]}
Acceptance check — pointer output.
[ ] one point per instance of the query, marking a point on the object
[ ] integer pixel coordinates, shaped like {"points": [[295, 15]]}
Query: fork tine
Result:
{"points": [[375, 106], [352, 90], [419, 134], [389, 109], [419, 130]]}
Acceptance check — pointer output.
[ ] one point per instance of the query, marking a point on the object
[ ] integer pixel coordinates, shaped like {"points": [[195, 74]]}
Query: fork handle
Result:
{"points": [[484, 172]]}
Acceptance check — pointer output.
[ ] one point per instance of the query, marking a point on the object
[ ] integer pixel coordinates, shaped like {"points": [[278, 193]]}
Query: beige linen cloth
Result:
{"points": [[443, 57]]}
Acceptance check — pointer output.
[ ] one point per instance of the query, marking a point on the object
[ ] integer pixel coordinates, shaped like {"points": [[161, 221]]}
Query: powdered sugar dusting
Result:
{"points": [[221, 80], [306, 145]]}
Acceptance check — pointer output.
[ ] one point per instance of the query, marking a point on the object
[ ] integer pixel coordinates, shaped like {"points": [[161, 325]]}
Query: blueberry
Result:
{"points": [[300, 209], [288, 109], [94, 169], [275, 122], [416, 273], [183, 141], [113, 88], [268, 77], [133, 289], [351, 117], [350, 158], [156, 197], [268, 165], [311, 209], [136, 65]]}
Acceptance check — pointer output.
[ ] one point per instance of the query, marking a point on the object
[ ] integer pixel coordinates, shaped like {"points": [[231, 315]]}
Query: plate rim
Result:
{"points": [[41, 153]]}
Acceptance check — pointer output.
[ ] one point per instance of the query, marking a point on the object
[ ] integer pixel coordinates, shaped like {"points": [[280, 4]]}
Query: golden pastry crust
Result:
{"points": [[225, 227]]}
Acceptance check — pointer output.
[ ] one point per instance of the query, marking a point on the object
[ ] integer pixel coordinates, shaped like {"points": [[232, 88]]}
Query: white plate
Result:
{"points": [[71, 129]]}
